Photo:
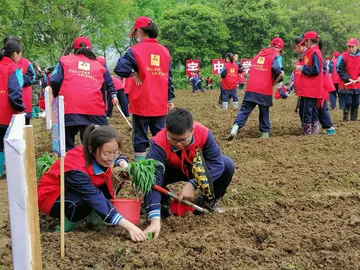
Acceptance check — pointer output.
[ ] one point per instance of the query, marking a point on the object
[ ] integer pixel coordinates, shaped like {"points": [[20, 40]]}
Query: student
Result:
{"points": [[241, 73], [118, 85], [152, 92], [196, 82], [11, 84], [266, 70], [229, 82], [176, 146], [29, 78], [336, 80], [348, 68], [79, 77], [209, 82], [88, 184]]}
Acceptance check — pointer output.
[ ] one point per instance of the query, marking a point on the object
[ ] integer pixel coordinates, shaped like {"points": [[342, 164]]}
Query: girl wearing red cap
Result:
{"points": [[336, 80], [151, 95], [80, 78], [309, 83], [266, 70], [348, 68]]}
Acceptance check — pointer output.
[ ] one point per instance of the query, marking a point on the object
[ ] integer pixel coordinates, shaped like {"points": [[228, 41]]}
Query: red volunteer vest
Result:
{"points": [[241, 78], [297, 74], [260, 73], [117, 83], [101, 60], [352, 69], [81, 87], [311, 86], [127, 84], [335, 76], [7, 67], [200, 134], [49, 185], [27, 90], [328, 83], [230, 82], [150, 98]]}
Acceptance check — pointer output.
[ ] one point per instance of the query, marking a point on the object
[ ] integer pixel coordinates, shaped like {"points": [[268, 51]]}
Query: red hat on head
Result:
{"points": [[79, 40], [278, 43], [352, 42], [141, 22], [309, 35], [335, 54]]}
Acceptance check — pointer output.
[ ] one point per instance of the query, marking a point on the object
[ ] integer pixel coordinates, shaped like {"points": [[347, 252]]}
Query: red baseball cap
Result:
{"points": [[352, 42], [309, 35], [79, 40], [335, 54], [278, 43], [141, 22]]}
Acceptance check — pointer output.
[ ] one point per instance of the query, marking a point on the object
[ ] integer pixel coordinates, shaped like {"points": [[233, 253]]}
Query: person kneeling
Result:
{"points": [[180, 146]]}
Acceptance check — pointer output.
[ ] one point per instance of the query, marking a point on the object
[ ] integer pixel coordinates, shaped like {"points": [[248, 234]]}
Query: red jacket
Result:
{"points": [[230, 82], [27, 90], [352, 69], [311, 86], [335, 76], [49, 185], [153, 61], [117, 83], [260, 74], [7, 67], [81, 87], [200, 134]]}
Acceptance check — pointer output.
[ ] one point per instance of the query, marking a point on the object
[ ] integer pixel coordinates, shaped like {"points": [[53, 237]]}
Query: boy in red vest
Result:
{"points": [[176, 146], [151, 95], [348, 68], [29, 78], [266, 68], [336, 80], [229, 82]]}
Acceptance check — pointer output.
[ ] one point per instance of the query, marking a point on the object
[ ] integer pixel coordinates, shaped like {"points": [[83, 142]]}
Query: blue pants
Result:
{"points": [[2, 135], [333, 98], [264, 115], [308, 111], [228, 94], [324, 116], [172, 175], [197, 86], [141, 124], [123, 102], [352, 100]]}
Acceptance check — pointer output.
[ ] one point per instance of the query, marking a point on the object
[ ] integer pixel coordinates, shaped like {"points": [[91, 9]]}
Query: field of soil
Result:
{"points": [[294, 203]]}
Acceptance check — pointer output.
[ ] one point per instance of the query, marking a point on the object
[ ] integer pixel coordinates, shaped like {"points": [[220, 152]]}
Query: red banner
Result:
{"points": [[192, 65], [217, 66], [246, 64]]}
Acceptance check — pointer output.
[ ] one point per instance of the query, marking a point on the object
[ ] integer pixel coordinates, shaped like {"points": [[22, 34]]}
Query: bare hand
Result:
{"points": [[170, 106], [115, 101], [154, 227], [136, 234], [188, 192], [137, 79]]}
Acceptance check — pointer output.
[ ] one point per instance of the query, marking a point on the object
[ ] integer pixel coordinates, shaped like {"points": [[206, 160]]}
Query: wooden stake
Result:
{"points": [[32, 198], [231, 116], [62, 207]]}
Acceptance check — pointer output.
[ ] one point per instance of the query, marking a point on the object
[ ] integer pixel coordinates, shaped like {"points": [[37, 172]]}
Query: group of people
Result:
{"points": [[314, 80]]}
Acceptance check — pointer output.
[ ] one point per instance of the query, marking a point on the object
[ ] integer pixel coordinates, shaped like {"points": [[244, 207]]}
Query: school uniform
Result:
{"points": [[229, 83], [118, 85], [336, 80]]}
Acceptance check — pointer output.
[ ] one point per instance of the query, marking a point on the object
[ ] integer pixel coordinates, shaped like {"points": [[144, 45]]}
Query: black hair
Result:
{"points": [[178, 121], [315, 40], [11, 37], [9, 48], [96, 136], [297, 40], [320, 44], [151, 31], [85, 51], [230, 56]]}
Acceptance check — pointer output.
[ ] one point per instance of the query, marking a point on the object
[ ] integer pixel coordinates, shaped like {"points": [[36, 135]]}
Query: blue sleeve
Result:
{"points": [[15, 85], [153, 199], [171, 89], [213, 157], [331, 67], [29, 76], [277, 68], [292, 85], [56, 79], [313, 70], [341, 69], [81, 183], [126, 64], [110, 88], [223, 72]]}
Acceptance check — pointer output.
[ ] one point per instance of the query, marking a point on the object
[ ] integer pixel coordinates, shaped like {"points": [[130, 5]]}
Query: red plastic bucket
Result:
{"points": [[129, 209]]}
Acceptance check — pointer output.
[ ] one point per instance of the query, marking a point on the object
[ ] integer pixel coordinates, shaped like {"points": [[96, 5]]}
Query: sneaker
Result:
{"points": [[330, 131], [233, 132], [264, 135]]}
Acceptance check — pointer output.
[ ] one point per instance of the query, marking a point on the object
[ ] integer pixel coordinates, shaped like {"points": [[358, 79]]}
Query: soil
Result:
{"points": [[293, 204]]}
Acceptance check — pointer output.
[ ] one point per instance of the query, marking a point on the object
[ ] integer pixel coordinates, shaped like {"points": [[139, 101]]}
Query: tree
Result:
{"points": [[194, 31]]}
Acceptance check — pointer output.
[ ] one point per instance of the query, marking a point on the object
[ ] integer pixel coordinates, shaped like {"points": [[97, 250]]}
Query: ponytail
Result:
{"points": [[10, 48], [1, 54], [95, 137], [85, 51], [152, 30], [230, 56]]}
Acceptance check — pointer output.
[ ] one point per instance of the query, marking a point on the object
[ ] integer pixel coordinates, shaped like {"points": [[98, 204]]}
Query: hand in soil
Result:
{"points": [[136, 234], [188, 192], [154, 227]]}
